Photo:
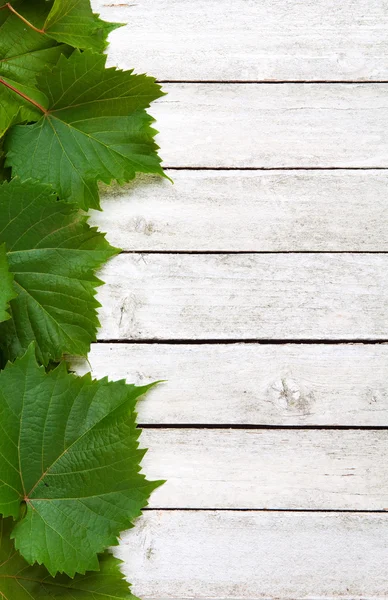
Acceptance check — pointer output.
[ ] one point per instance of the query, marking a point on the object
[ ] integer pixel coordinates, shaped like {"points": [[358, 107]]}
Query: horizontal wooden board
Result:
{"points": [[258, 296], [250, 40], [268, 469], [254, 384], [249, 211], [256, 555], [270, 126]]}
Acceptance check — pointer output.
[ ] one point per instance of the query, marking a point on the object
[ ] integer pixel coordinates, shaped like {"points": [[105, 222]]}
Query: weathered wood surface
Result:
{"points": [[249, 211], [254, 384], [258, 296], [250, 40], [244, 554], [257, 555], [268, 469], [270, 126]]}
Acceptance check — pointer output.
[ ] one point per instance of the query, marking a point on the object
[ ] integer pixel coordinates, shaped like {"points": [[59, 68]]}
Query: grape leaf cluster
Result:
{"points": [[70, 475], [21, 581]]}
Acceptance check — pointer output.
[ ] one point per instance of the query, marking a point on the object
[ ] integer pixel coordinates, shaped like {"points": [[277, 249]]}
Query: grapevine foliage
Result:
{"points": [[69, 457], [52, 255], [70, 475], [21, 581], [92, 127]]}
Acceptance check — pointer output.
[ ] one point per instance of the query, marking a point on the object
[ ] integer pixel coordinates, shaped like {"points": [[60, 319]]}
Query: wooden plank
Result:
{"points": [[254, 384], [248, 40], [268, 469], [270, 126], [249, 211], [257, 555], [240, 296]]}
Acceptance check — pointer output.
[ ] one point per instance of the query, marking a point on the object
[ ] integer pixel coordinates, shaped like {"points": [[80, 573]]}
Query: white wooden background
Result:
{"points": [[257, 285]]}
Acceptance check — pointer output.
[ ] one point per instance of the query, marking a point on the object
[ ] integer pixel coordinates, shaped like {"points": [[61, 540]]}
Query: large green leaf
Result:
{"points": [[95, 129], [7, 291], [23, 54], [53, 254], [20, 581], [69, 463]]}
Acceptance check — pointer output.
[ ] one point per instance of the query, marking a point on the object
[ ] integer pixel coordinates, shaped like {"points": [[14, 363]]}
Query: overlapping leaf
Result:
{"points": [[56, 28], [69, 459], [20, 581], [52, 254], [66, 21], [95, 129], [7, 291], [73, 22], [23, 54]]}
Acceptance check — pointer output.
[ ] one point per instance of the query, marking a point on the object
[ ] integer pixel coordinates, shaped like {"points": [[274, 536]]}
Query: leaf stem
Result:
{"points": [[11, 87], [11, 8]]}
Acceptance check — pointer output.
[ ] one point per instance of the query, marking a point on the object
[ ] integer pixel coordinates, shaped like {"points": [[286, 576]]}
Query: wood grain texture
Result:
{"points": [[266, 556], [268, 469], [258, 296], [244, 554], [270, 126], [249, 211], [250, 40], [287, 384]]}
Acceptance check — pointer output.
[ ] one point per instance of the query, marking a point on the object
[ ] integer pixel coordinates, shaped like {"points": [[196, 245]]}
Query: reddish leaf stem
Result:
{"points": [[11, 8], [9, 86]]}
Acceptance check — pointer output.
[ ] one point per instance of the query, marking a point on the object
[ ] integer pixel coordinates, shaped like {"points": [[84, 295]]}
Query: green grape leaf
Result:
{"points": [[53, 254], [23, 54], [73, 22], [7, 291], [95, 129], [25, 51], [69, 463], [69, 22], [20, 581]]}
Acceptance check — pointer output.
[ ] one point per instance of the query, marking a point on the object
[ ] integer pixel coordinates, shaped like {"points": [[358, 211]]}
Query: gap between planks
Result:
{"points": [[270, 510], [261, 427], [272, 82], [231, 341], [222, 253], [282, 168]]}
